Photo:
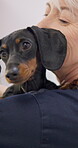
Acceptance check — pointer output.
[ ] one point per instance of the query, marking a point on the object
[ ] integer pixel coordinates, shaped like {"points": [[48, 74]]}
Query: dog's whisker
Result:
{"points": [[26, 72]]}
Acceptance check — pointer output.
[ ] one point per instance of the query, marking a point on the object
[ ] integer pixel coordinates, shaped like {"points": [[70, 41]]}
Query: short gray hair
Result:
{"points": [[70, 3]]}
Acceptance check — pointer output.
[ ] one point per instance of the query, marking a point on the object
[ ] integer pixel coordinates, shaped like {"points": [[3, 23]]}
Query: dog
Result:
{"points": [[27, 53]]}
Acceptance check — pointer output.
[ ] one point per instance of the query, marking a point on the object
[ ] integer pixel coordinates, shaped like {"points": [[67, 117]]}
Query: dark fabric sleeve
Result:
{"points": [[59, 118], [19, 122], [43, 119]]}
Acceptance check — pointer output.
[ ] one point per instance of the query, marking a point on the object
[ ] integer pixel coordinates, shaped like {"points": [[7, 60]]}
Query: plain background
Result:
{"points": [[19, 14]]}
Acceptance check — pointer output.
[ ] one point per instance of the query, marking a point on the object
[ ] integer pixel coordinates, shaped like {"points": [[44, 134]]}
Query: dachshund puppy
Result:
{"points": [[27, 53]]}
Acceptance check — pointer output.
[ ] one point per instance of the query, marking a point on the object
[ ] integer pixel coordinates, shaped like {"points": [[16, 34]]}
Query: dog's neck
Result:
{"points": [[37, 81]]}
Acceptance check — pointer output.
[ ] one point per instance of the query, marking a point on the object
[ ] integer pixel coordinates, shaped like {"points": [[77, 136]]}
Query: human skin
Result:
{"points": [[2, 89], [66, 21]]}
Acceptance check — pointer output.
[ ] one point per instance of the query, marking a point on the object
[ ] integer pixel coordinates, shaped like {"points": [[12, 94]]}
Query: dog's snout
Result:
{"points": [[13, 73]]}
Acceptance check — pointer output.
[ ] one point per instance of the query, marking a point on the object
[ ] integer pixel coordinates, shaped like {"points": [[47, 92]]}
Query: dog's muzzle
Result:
{"points": [[12, 74]]}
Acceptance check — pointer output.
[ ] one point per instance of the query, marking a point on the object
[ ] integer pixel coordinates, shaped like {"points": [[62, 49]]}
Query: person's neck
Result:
{"points": [[65, 75]]}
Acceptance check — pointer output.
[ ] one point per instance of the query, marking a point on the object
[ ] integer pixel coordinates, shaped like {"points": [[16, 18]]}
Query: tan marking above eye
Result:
{"points": [[4, 46], [17, 41]]}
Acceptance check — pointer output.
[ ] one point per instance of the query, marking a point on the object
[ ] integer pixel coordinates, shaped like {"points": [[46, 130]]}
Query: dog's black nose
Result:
{"points": [[13, 73]]}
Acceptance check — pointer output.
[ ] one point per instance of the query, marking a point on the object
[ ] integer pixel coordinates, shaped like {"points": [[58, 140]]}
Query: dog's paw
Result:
{"points": [[9, 92]]}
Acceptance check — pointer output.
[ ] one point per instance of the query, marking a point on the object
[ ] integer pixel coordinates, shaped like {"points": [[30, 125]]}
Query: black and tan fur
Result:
{"points": [[27, 53]]}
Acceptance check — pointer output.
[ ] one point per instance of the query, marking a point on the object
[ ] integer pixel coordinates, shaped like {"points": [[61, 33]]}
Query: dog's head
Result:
{"points": [[18, 50]]}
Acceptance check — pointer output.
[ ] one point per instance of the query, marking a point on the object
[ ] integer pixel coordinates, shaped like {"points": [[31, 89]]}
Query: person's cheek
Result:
{"points": [[71, 35]]}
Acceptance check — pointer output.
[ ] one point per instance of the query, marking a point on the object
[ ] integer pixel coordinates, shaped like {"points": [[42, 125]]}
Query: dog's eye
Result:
{"points": [[26, 45]]}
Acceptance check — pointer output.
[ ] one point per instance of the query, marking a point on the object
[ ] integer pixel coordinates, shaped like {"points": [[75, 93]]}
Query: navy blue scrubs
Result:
{"points": [[43, 119]]}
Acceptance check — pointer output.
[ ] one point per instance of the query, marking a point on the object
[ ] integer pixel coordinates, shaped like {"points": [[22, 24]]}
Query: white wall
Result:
{"points": [[17, 14]]}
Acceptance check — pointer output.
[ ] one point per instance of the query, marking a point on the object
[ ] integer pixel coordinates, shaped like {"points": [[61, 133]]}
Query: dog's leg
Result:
{"points": [[12, 90]]}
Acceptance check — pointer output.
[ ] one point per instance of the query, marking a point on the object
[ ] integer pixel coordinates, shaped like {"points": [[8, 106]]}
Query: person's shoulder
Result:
{"points": [[69, 93], [56, 96], [44, 95]]}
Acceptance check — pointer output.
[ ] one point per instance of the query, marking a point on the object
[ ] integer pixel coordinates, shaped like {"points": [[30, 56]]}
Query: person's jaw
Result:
{"points": [[67, 74]]}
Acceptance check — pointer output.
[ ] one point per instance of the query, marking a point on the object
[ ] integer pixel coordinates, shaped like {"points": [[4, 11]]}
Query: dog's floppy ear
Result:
{"points": [[52, 46]]}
